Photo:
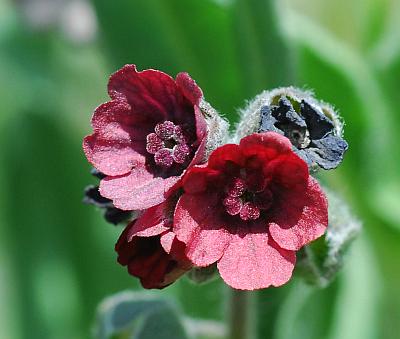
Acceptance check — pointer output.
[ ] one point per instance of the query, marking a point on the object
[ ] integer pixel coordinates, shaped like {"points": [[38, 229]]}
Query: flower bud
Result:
{"points": [[319, 262], [111, 214], [313, 127]]}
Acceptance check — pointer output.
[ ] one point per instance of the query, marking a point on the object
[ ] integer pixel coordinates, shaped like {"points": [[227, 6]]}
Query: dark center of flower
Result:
{"points": [[169, 144], [246, 198]]}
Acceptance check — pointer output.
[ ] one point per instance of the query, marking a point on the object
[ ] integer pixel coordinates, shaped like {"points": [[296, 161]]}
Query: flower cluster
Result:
{"points": [[193, 200]]}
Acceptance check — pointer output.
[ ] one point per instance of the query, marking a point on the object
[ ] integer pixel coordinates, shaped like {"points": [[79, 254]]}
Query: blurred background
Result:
{"points": [[57, 260]]}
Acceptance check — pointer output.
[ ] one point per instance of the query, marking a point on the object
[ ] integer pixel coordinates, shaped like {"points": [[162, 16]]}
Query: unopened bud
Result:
{"points": [[313, 127]]}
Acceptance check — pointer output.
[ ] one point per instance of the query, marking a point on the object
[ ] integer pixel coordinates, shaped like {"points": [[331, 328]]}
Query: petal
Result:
{"points": [[197, 179], [152, 222], [123, 247], [328, 152], [253, 260], [116, 145], [201, 127], [147, 260], [175, 248], [226, 156], [149, 92], [287, 115], [300, 217], [189, 88], [137, 190], [318, 123], [266, 145], [267, 120], [167, 240], [200, 153], [288, 170], [197, 224]]}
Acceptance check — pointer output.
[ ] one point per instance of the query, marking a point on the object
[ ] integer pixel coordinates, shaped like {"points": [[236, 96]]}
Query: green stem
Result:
{"points": [[241, 314]]}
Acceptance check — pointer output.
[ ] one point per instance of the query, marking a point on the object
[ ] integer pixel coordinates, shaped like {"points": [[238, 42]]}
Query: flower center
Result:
{"points": [[245, 199], [168, 143]]}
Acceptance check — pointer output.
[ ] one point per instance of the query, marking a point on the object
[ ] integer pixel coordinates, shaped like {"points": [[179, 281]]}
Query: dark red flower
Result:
{"points": [[151, 251], [146, 136], [249, 209]]}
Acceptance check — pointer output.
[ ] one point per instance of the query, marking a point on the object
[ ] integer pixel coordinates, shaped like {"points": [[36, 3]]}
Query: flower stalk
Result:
{"points": [[242, 314]]}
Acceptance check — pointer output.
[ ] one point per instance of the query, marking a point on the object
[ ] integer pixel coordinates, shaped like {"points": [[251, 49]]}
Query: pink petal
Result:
{"points": [[152, 222], [253, 261], [150, 92], [201, 133], [201, 124], [198, 157], [267, 145], [197, 178], [300, 218], [189, 88], [116, 145], [167, 240], [196, 223], [137, 190], [288, 171], [229, 153], [147, 260], [175, 248]]}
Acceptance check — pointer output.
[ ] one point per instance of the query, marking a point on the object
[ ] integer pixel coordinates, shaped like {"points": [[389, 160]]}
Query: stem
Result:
{"points": [[241, 314]]}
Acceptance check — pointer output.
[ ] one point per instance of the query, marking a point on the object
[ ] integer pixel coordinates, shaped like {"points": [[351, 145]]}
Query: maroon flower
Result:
{"points": [[146, 136], [249, 209], [151, 251]]}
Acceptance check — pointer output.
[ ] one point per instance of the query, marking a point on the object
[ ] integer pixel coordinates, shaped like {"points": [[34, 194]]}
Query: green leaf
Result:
{"points": [[265, 58], [357, 312], [139, 316]]}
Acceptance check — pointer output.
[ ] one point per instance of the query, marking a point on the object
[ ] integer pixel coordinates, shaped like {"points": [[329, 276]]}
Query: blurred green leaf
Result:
{"points": [[298, 317], [386, 49], [357, 23], [346, 309], [175, 36], [357, 309], [265, 59], [139, 316]]}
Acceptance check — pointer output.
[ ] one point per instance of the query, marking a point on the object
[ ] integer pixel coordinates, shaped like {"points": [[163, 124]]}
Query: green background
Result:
{"points": [[56, 255]]}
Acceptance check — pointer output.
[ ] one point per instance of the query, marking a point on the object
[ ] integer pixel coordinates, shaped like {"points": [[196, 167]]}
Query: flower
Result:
{"points": [[146, 136], [249, 209], [312, 133], [151, 251]]}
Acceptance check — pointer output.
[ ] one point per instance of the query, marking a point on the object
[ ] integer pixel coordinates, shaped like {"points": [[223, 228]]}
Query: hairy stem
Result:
{"points": [[241, 314]]}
